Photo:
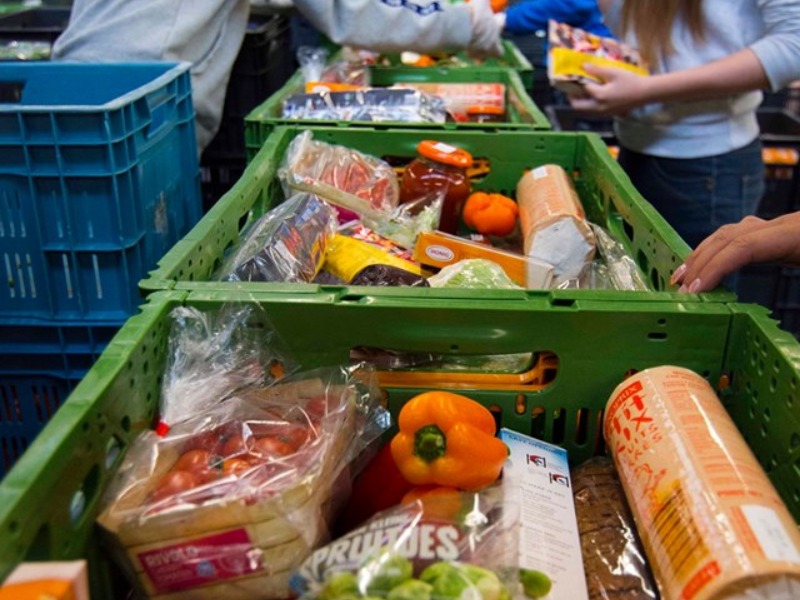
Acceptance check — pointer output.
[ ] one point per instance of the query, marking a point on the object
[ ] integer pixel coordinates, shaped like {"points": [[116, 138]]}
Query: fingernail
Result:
{"points": [[683, 289], [679, 272], [694, 286]]}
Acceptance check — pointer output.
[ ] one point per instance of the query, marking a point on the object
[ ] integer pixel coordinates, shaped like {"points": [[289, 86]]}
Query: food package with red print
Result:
{"points": [[712, 524], [229, 502]]}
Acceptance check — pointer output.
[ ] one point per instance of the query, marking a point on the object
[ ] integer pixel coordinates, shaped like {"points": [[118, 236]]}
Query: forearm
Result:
{"points": [[734, 74], [389, 27]]}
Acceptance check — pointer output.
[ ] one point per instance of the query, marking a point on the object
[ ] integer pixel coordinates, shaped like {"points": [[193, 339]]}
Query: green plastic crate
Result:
{"points": [[49, 501], [512, 58], [521, 110], [607, 194]]}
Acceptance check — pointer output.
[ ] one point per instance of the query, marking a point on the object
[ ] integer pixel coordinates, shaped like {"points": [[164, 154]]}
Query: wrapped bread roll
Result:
{"points": [[712, 524], [553, 223]]}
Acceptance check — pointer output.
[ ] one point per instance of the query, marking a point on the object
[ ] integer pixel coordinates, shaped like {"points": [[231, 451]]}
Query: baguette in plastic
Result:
{"points": [[553, 222]]}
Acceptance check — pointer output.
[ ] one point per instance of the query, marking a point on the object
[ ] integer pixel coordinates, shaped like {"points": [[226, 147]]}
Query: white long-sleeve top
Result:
{"points": [[770, 28]]}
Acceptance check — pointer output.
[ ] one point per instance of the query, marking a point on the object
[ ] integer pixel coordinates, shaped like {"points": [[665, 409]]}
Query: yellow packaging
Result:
{"points": [[47, 580], [712, 524], [439, 249], [570, 48], [346, 256]]}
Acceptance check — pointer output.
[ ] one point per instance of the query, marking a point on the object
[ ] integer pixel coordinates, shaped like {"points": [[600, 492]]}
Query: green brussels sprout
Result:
{"points": [[485, 581], [535, 584], [448, 581], [412, 589], [386, 572], [432, 572], [339, 585]]}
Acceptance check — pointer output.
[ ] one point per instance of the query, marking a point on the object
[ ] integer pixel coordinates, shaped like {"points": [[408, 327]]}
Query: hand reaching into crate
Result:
{"points": [[751, 240]]}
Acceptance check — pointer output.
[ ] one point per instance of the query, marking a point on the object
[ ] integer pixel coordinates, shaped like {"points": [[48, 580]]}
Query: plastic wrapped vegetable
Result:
{"points": [[331, 170], [386, 276], [473, 273], [417, 552], [286, 244], [212, 354], [622, 269], [232, 500], [360, 186]]}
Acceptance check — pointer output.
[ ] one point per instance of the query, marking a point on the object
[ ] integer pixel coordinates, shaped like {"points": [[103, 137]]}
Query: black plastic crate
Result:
{"points": [[263, 65], [788, 99], [780, 135], [786, 307], [566, 118], [37, 24], [216, 179]]}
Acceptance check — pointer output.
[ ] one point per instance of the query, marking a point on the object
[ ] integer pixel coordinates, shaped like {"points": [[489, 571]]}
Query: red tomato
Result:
{"points": [[293, 434], [318, 407], [236, 445], [271, 447], [174, 482], [200, 462], [193, 460], [233, 466]]}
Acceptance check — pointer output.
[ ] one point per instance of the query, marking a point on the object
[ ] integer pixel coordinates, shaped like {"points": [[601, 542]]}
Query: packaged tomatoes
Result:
{"points": [[230, 501]]}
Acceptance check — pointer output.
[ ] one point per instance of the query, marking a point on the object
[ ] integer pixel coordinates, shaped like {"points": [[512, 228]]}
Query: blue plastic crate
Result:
{"points": [[40, 363], [99, 177]]}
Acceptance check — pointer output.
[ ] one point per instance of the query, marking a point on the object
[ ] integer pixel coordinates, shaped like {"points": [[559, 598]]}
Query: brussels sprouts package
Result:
{"points": [[455, 545]]}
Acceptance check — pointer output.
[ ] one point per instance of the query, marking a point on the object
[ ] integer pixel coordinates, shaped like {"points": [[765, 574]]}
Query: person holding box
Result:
{"points": [[688, 132]]}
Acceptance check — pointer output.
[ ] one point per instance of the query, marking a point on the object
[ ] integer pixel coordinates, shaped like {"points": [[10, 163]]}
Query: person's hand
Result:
{"points": [[486, 30], [620, 91], [731, 247]]}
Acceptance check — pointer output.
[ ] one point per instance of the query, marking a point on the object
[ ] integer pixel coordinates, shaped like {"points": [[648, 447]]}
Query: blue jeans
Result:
{"points": [[698, 195]]}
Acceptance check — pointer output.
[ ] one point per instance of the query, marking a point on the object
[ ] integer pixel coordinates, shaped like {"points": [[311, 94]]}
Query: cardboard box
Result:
{"points": [[569, 48], [539, 473]]}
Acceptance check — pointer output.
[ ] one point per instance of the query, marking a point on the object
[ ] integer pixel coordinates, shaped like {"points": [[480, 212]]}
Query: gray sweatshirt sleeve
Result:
{"points": [[391, 25], [779, 49], [206, 33]]}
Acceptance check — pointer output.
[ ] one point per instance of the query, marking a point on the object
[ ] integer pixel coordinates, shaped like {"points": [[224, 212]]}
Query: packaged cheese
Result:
{"points": [[439, 249], [553, 222], [712, 524]]}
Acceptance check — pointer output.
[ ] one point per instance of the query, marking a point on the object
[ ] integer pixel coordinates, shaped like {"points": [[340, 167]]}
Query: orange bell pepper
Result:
{"points": [[447, 439], [490, 214]]}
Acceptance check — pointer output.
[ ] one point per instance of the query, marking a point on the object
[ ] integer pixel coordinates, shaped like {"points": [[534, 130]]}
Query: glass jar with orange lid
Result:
{"points": [[484, 113], [439, 167]]}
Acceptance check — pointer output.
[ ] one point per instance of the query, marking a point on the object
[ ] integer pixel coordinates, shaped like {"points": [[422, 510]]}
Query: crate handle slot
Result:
{"points": [[158, 114], [11, 92]]}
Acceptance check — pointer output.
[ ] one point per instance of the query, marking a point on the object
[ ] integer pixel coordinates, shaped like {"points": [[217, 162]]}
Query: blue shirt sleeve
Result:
{"points": [[530, 16]]}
